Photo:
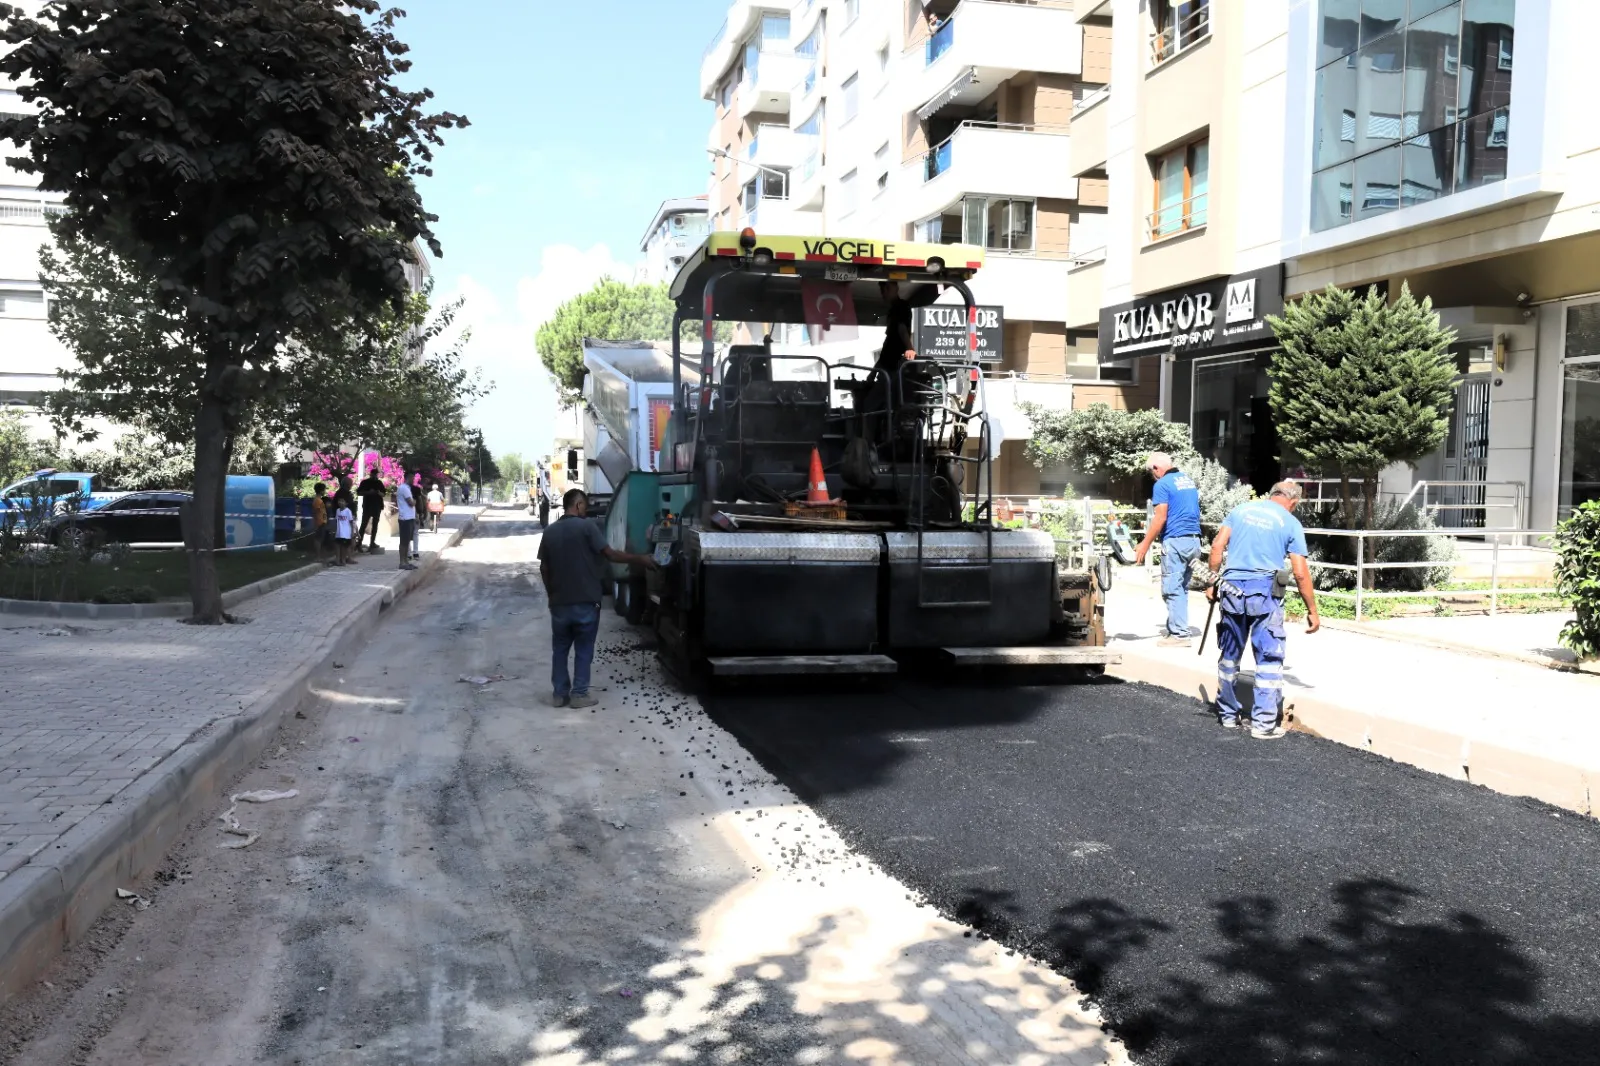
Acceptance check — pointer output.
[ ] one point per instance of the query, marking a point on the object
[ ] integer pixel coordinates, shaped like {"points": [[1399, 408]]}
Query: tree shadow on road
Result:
{"points": [[1375, 987]]}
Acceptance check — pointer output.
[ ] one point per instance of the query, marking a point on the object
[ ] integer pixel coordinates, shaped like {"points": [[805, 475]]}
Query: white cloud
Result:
{"points": [[519, 413]]}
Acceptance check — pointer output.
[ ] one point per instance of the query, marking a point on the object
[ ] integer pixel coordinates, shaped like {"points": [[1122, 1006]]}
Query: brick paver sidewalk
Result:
{"points": [[90, 706], [1535, 711]]}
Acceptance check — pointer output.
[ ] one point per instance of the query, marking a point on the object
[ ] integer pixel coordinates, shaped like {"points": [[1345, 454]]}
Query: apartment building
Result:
{"points": [[948, 121], [30, 358], [1257, 150], [678, 228]]}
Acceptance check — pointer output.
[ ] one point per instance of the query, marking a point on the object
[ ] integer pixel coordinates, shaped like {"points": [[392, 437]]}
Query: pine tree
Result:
{"points": [[1361, 384]]}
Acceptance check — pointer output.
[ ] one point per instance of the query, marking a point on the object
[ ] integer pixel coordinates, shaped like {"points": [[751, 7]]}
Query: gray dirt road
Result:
{"points": [[468, 876]]}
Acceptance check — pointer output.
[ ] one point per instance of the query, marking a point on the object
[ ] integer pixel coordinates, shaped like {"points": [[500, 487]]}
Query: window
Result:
{"points": [[883, 60], [1580, 410], [1178, 24], [751, 194], [22, 303], [1000, 224], [1417, 93], [850, 98], [725, 93], [847, 194], [1182, 189], [880, 159]]}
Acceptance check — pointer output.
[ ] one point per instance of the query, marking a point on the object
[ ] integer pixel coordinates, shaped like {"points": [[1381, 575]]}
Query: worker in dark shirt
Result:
{"points": [[897, 342], [570, 555]]}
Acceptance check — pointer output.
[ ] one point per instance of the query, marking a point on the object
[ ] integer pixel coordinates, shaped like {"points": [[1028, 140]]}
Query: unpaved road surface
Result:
{"points": [[470, 877]]}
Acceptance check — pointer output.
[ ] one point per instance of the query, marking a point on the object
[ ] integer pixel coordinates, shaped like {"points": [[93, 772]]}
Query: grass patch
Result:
{"points": [[1379, 608], [142, 577]]}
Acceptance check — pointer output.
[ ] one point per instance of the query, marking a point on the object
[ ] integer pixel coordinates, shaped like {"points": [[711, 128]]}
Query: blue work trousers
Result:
{"points": [[1177, 559], [1252, 615], [573, 628]]}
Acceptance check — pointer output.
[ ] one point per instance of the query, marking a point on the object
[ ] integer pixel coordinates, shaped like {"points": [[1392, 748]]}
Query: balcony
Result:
{"points": [[1004, 393], [776, 145], [744, 19], [983, 43], [1088, 9], [1089, 133], [805, 184], [1031, 287], [770, 76], [1086, 289], [1001, 160]]}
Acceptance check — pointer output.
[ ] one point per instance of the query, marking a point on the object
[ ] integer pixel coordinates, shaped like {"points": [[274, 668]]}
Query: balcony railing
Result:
{"points": [[1176, 218], [1190, 26], [940, 42], [1090, 99], [938, 159], [1089, 258], [29, 212]]}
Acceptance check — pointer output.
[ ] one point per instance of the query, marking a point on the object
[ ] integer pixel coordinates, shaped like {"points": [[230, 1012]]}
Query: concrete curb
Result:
{"points": [[48, 904], [1479, 651], [1572, 786], [127, 612]]}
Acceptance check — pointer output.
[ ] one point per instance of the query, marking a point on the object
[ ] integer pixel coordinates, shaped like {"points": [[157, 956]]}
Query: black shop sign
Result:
{"points": [[1209, 316], [941, 333]]}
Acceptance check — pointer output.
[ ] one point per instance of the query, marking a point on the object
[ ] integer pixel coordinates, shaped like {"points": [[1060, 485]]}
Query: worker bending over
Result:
{"points": [[1255, 538]]}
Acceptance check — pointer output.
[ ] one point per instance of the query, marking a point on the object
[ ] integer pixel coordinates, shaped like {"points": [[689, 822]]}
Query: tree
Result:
{"points": [[479, 460], [1101, 440], [1360, 384], [18, 449], [611, 311], [257, 161]]}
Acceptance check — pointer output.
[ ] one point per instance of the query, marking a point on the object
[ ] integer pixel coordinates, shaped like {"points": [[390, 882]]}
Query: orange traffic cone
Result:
{"points": [[816, 483]]}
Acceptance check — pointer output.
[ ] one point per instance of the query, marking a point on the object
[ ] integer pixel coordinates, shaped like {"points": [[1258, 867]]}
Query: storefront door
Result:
{"points": [[1580, 434], [1466, 456], [1229, 417]]}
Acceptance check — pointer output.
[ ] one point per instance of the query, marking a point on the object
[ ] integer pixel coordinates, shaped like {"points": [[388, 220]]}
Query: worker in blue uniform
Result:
{"points": [[1175, 522], [1255, 539]]}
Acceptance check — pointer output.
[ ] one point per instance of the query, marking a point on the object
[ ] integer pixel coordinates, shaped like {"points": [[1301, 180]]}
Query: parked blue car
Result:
{"points": [[52, 492]]}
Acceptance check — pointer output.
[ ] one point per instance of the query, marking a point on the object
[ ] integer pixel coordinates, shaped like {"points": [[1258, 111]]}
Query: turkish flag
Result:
{"points": [[829, 305]]}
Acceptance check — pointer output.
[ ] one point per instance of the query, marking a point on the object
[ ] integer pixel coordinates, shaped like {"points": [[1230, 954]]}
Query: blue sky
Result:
{"points": [[585, 116]]}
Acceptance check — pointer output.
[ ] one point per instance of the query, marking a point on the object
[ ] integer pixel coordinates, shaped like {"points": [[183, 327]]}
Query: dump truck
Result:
{"points": [[903, 557]]}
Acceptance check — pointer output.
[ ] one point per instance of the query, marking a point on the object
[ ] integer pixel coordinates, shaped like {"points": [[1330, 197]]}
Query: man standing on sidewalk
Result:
{"points": [[406, 503], [1175, 521], [1255, 537], [371, 492], [570, 555]]}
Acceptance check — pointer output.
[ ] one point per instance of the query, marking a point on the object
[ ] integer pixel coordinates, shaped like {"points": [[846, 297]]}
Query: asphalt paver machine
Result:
{"points": [[905, 557]]}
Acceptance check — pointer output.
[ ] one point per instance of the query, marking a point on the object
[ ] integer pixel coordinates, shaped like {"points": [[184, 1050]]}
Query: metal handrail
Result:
{"points": [[1361, 567], [1179, 38], [1088, 100], [1190, 211], [1518, 506], [1093, 255]]}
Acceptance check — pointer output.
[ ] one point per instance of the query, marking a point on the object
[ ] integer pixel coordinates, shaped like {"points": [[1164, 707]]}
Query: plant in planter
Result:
{"points": [[1578, 578]]}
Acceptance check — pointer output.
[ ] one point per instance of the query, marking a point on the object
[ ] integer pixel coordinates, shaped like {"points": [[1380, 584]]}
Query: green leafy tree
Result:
{"points": [[257, 161], [611, 311], [478, 460], [1360, 384], [18, 448], [1102, 440]]}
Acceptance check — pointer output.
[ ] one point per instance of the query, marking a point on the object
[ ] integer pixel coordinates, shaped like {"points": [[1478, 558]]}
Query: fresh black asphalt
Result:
{"points": [[1224, 900]]}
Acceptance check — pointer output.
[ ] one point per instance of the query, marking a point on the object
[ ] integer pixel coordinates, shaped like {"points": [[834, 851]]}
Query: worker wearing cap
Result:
{"points": [[1175, 521], [1255, 538]]}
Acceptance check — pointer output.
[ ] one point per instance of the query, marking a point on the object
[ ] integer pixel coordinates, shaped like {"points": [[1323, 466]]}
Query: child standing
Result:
{"points": [[319, 521], [345, 519]]}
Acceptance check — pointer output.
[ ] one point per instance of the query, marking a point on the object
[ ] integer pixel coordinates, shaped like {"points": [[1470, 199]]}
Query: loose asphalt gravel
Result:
{"points": [[1224, 900]]}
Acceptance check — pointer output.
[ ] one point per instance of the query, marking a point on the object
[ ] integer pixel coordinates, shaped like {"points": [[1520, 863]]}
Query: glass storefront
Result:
{"points": [[1224, 398], [1580, 434]]}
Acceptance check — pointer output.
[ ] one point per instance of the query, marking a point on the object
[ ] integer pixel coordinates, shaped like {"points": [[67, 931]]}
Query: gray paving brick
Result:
{"points": [[63, 753]]}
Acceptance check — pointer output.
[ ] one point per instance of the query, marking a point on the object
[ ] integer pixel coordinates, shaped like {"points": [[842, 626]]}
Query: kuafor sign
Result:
{"points": [[941, 333], [1217, 314]]}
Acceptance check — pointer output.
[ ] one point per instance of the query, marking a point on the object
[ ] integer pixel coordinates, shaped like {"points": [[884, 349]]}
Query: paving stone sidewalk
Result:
{"points": [[91, 706], [1543, 716]]}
